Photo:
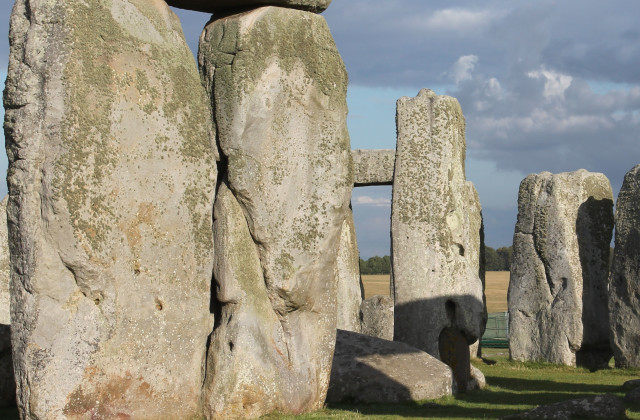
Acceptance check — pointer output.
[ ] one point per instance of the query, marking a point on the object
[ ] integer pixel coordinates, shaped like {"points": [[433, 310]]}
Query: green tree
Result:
{"points": [[505, 254], [376, 265], [493, 262]]}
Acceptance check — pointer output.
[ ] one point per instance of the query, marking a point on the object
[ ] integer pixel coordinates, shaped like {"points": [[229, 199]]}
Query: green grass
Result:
{"points": [[512, 387]]}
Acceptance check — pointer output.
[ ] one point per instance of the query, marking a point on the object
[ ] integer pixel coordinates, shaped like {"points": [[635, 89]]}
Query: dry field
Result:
{"points": [[497, 283]]}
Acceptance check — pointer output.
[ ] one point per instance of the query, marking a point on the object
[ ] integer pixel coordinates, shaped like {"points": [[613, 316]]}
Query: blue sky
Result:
{"points": [[544, 86]]}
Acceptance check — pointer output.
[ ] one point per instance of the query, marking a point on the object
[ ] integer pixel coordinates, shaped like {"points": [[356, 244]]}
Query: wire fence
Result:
{"points": [[496, 334]]}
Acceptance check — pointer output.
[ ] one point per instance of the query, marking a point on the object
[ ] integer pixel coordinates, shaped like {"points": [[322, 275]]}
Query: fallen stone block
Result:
{"points": [[226, 6], [376, 317], [371, 370]]}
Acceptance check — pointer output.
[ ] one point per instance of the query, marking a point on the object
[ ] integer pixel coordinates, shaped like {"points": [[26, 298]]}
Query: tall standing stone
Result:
{"points": [[111, 178], [624, 293], [350, 290], [558, 289], [278, 88], [434, 231]]}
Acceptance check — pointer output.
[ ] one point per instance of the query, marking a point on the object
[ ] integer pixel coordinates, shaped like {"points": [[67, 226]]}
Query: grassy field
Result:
{"points": [[497, 283], [512, 387]]}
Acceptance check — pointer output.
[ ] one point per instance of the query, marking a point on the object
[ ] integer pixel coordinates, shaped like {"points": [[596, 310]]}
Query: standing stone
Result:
{"points": [[278, 87], [435, 233], [7, 382], [476, 254], [111, 178], [624, 293], [558, 290], [226, 6], [350, 288], [376, 315]]}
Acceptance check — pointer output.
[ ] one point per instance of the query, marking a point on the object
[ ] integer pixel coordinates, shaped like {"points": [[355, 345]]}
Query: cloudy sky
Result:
{"points": [[544, 85]]}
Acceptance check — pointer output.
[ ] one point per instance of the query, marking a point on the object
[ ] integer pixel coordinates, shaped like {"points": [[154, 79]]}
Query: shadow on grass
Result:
{"points": [[553, 387]]}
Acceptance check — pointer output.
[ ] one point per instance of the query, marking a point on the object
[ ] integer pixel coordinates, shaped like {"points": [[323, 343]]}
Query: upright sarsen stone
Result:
{"points": [[624, 293], [350, 291], [558, 289], [7, 381], [278, 88], [435, 234], [111, 182]]}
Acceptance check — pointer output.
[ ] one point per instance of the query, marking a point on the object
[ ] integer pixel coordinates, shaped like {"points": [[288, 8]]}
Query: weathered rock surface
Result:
{"points": [[631, 384], [435, 234], [371, 370], [624, 293], [604, 406], [7, 382], [558, 290], [633, 396], [111, 178], [376, 315], [225, 6], [278, 87], [373, 167], [478, 381], [350, 288]]}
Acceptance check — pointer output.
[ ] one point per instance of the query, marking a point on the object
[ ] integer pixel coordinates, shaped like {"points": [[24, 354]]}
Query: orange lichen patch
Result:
{"points": [[107, 396], [145, 215]]}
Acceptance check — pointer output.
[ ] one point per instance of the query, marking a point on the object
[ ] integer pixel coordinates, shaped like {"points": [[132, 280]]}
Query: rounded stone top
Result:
{"points": [[214, 6]]}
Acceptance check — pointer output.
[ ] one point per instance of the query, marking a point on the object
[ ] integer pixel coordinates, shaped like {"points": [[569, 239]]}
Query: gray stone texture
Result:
{"points": [[624, 293], [111, 178], [633, 396], [350, 288], [558, 290], [435, 232], [376, 315], [373, 167], [372, 370], [7, 382], [278, 87], [604, 406], [226, 6], [631, 384]]}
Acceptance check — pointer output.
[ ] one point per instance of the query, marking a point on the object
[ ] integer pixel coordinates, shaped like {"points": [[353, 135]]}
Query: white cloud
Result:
{"points": [[458, 19], [555, 83], [462, 69], [365, 200]]}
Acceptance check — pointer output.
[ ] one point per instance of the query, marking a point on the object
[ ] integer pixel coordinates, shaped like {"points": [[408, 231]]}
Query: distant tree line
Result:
{"points": [[498, 259], [376, 265]]}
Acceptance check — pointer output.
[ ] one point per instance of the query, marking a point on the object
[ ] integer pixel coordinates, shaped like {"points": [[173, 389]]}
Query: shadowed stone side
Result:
{"points": [[624, 294], [7, 382], [350, 288], [373, 167], [111, 177], [222, 6], [476, 252], [278, 88], [434, 231], [560, 266], [371, 370]]}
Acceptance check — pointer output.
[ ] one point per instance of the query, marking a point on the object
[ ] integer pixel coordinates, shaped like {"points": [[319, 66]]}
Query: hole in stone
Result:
{"points": [[230, 345], [450, 309], [159, 304], [461, 250]]}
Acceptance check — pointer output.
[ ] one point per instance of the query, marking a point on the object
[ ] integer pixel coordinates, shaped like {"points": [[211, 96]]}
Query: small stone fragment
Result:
{"points": [[624, 292], [631, 384], [633, 396], [376, 315], [558, 289], [226, 6], [371, 370], [373, 167], [604, 406]]}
